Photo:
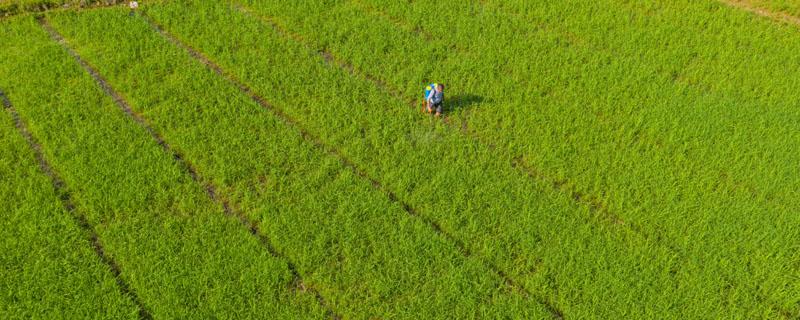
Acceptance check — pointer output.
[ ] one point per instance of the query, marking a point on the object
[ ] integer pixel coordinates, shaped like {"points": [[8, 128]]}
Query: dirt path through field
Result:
{"points": [[66, 199]]}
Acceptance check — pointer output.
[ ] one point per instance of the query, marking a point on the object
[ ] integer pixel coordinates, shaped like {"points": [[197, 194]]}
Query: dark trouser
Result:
{"points": [[437, 106]]}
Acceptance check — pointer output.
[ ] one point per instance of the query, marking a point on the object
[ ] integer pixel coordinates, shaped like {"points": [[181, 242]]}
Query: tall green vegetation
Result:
{"points": [[175, 248], [48, 268], [497, 211], [599, 159], [606, 119], [365, 255]]}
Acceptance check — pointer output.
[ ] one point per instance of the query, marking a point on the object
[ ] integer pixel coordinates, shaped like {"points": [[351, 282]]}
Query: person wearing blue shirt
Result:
{"points": [[434, 96]]}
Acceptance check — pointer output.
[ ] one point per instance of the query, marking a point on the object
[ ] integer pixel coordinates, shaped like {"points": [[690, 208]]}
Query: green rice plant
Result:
{"points": [[589, 135], [709, 138], [365, 255], [615, 159], [495, 210], [48, 268], [175, 248]]}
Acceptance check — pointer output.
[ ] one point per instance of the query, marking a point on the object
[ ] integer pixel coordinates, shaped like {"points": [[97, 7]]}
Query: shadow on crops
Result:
{"points": [[464, 101]]}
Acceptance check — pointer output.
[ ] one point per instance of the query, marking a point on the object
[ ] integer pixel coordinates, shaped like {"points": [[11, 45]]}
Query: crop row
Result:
{"points": [[48, 266], [495, 210], [175, 248], [590, 134], [364, 254]]}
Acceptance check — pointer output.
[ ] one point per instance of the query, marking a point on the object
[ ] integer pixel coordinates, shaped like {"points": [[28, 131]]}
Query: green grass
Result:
{"points": [[615, 159], [485, 197], [175, 248], [364, 254], [642, 153], [48, 268]]}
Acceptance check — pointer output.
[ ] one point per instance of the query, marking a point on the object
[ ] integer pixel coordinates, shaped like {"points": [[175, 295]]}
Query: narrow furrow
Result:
{"points": [[251, 225], [345, 161], [66, 200], [601, 210], [327, 55]]}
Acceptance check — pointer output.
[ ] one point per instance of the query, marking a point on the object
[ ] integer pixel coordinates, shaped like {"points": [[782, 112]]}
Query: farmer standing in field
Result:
{"points": [[434, 98]]}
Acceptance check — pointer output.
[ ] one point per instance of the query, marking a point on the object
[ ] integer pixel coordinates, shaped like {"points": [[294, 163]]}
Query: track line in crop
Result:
{"points": [[346, 162], [594, 204], [427, 36], [325, 54], [419, 31], [211, 189], [769, 14], [66, 199]]}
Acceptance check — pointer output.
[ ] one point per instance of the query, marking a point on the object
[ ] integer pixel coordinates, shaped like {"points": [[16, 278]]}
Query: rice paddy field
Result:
{"points": [[246, 159]]}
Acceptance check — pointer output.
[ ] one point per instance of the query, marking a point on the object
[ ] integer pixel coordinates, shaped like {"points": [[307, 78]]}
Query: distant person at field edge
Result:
{"points": [[133, 5], [435, 99]]}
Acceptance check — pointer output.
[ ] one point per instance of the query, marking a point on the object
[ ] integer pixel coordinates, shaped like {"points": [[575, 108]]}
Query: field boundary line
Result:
{"points": [[211, 190], [66, 200], [346, 162], [776, 16]]}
